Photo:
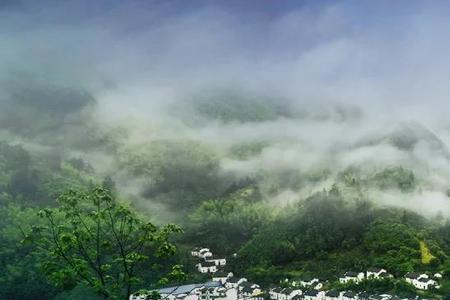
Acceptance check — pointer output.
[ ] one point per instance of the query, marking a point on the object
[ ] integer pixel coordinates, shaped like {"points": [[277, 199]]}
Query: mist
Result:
{"points": [[292, 98]]}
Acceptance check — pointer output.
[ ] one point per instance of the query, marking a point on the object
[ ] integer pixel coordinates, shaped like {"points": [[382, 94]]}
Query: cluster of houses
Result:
{"points": [[372, 273], [423, 281], [197, 291], [230, 288], [312, 288], [224, 286], [290, 294], [418, 280], [208, 263]]}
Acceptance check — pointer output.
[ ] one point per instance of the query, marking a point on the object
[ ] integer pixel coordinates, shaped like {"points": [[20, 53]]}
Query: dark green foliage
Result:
{"points": [[228, 222], [21, 278], [395, 246], [179, 174], [327, 236], [92, 239]]}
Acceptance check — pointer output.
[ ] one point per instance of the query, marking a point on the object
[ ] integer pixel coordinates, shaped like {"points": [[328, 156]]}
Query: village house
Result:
{"points": [[216, 261], [331, 295], [234, 282], [420, 281], [314, 295], [276, 293], [249, 289], [261, 296], [206, 267], [222, 276], [195, 252], [286, 293], [248, 292], [308, 282], [414, 276], [204, 253], [292, 293], [376, 273], [425, 283], [351, 276], [311, 295], [217, 293], [207, 293], [318, 286]]}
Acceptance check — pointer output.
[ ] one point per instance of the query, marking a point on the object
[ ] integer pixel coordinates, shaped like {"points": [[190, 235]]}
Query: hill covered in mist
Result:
{"points": [[237, 171], [204, 144]]}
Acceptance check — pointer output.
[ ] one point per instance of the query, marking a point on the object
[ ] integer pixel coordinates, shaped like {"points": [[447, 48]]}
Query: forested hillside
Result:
{"points": [[267, 197]]}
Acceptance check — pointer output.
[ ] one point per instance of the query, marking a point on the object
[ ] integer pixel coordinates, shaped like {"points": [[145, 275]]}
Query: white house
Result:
{"points": [[424, 283], [314, 295], [222, 277], [247, 292], [285, 294], [234, 282], [276, 293], [332, 295], [437, 276], [213, 293], [352, 276], [307, 282], [292, 293], [376, 273], [245, 284], [195, 251], [248, 289], [204, 253], [216, 261], [298, 297], [206, 267], [311, 283], [420, 281], [414, 276]]}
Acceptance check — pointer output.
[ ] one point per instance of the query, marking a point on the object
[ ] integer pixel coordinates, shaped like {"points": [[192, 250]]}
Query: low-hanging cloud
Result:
{"points": [[347, 83]]}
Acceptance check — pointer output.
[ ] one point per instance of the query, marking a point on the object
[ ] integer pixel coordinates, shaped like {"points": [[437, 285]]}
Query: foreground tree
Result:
{"points": [[92, 239]]}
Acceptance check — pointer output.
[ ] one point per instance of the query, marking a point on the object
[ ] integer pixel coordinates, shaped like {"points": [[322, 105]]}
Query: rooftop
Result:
{"points": [[311, 293], [412, 275], [351, 274]]}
